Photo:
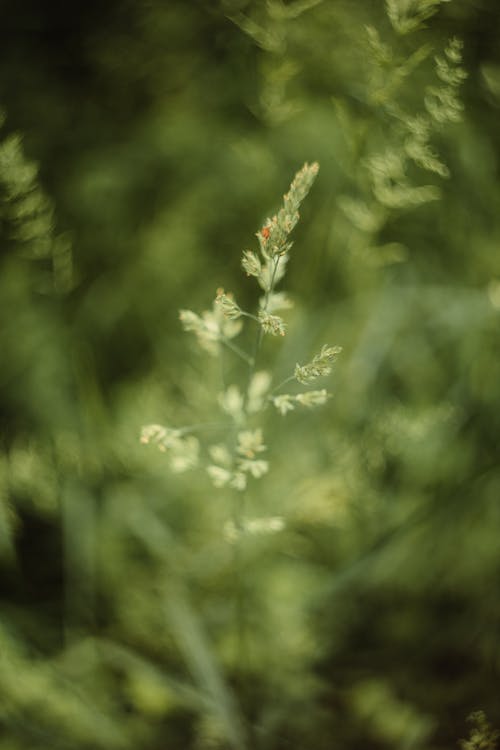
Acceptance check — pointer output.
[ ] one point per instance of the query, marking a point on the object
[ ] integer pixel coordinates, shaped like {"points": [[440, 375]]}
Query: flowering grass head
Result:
{"points": [[241, 456]]}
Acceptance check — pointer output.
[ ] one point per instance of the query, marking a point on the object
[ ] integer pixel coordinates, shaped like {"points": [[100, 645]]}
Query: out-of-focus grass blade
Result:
{"points": [[187, 629]]}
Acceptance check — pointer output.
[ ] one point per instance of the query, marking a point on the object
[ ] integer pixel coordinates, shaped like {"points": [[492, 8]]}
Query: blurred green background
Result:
{"points": [[165, 133]]}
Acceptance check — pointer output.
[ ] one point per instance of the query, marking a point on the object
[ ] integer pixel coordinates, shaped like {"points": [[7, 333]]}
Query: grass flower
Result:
{"points": [[232, 463], [320, 366]]}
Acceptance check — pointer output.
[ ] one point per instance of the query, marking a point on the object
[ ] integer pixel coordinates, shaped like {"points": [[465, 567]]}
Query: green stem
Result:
{"points": [[203, 426], [236, 349], [239, 513], [260, 333], [283, 382], [249, 315]]}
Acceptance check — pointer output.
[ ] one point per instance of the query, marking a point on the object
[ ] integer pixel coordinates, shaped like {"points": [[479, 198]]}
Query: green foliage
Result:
{"points": [[482, 735], [408, 15], [27, 214], [346, 596]]}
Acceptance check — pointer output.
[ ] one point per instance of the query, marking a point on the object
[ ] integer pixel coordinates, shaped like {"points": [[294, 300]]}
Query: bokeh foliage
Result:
{"points": [[164, 134]]}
